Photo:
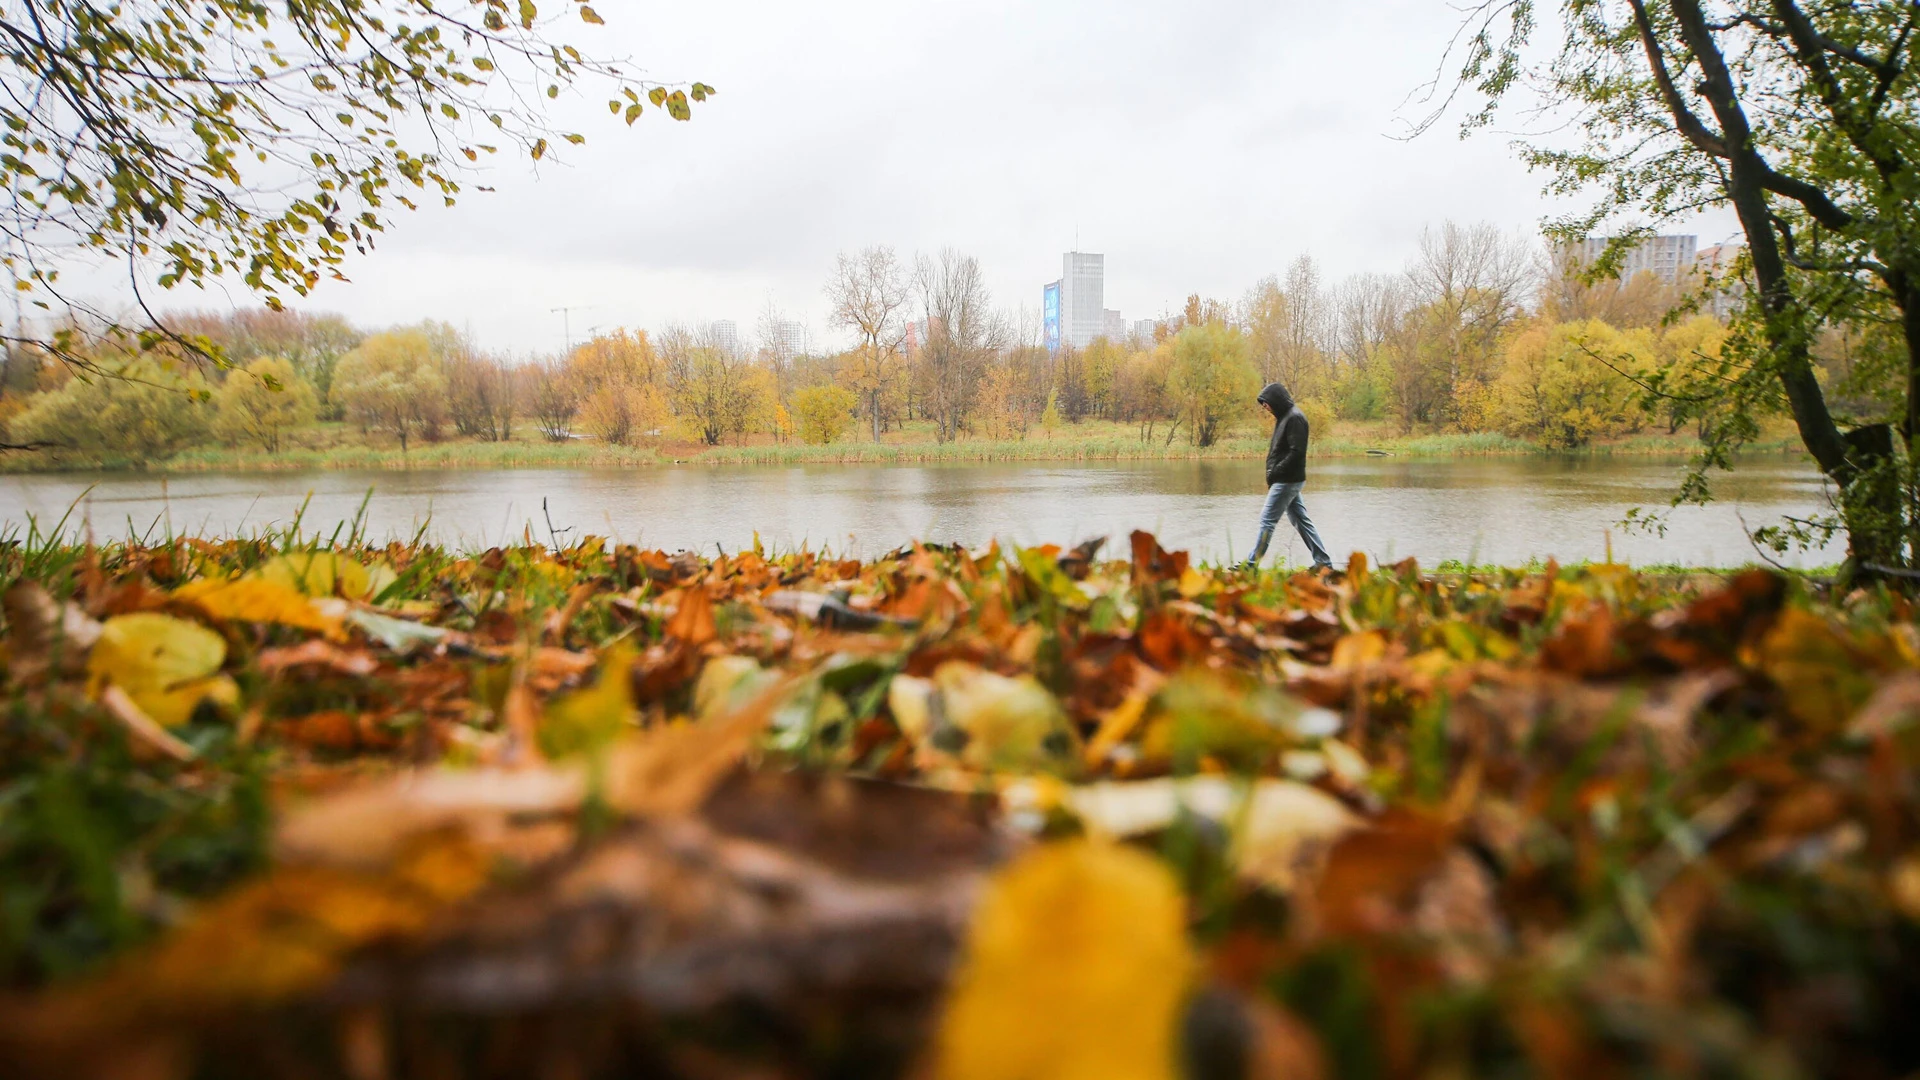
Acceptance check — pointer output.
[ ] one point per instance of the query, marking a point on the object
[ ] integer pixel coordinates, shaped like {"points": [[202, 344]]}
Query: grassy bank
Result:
{"points": [[334, 446]]}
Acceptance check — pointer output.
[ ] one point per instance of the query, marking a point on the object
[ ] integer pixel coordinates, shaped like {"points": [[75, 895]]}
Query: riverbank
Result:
{"points": [[333, 446]]}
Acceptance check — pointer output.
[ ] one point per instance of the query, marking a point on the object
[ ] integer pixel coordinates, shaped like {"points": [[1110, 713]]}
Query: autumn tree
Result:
{"points": [[482, 395], [312, 343], [713, 388], [552, 396], [1141, 394], [393, 382], [1211, 380], [196, 142], [823, 413], [261, 402], [963, 333], [870, 293], [1565, 384], [118, 409], [1798, 117], [617, 378]]}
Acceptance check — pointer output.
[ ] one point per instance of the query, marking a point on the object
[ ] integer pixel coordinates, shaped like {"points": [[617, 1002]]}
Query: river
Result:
{"points": [[1489, 510]]}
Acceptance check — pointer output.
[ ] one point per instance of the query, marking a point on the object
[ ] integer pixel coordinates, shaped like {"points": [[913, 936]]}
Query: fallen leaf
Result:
{"points": [[165, 664], [1075, 968]]}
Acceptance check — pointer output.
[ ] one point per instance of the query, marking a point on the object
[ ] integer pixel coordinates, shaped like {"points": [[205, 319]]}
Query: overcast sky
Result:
{"points": [[1199, 145]]}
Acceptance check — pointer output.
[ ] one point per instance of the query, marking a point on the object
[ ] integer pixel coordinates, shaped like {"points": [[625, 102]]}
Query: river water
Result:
{"points": [[1489, 510]]}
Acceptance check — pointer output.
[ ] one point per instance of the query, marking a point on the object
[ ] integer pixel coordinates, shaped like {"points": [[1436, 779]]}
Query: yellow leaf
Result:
{"points": [[257, 600], [166, 665], [728, 682], [1076, 966], [1007, 722], [587, 720], [1823, 677], [319, 574], [587, 14]]}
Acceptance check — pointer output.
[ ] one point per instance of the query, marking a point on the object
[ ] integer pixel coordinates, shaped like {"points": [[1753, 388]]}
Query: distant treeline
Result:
{"points": [[1481, 333]]}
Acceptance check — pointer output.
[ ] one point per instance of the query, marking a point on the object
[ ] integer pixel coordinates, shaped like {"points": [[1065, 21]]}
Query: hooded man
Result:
{"points": [[1286, 474]]}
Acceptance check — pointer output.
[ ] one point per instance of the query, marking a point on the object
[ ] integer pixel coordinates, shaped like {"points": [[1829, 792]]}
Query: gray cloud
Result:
{"points": [[1199, 146]]}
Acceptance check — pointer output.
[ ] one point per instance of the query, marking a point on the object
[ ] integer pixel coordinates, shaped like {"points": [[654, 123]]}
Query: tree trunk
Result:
{"points": [[1859, 464]]}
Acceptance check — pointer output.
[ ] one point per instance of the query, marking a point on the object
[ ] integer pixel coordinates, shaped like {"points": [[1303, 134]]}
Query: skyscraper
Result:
{"points": [[1082, 292], [1665, 257], [726, 334]]}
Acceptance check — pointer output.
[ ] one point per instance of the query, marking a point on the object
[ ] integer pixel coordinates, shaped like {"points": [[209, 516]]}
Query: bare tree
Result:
{"points": [[552, 397], [1477, 280], [963, 333], [775, 335], [480, 395], [869, 293]]}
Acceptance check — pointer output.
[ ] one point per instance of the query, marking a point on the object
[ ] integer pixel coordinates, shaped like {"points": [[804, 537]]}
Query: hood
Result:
{"points": [[1276, 396]]}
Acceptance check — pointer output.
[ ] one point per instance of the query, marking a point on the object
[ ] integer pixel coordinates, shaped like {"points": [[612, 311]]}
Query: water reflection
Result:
{"points": [[1488, 509]]}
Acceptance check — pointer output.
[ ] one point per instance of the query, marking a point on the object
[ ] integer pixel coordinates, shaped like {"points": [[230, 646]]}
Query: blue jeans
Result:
{"points": [[1285, 499]]}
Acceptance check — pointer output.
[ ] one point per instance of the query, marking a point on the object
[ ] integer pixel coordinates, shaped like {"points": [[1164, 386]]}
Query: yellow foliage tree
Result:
{"points": [[1566, 384], [824, 413], [392, 383], [1211, 379], [261, 402]]}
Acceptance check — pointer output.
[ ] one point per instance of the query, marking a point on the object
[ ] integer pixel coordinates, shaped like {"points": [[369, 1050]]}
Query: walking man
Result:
{"points": [[1286, 474]]}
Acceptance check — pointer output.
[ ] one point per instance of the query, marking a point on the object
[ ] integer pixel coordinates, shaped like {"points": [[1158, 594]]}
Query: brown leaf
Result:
{"points": [[692, 622], [42, 632], [1152, 563], [317, 653]]}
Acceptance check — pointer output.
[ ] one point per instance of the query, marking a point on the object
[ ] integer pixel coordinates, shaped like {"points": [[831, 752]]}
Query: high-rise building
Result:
{"points": [[1728, 293], [1082, 287], [789, 339], [1112, 326], [1666, 257], [1144, 328], [726, 334]]}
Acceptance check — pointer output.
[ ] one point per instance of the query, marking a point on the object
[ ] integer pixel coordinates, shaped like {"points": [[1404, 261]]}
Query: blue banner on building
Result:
{"points": [[1051, 307]]}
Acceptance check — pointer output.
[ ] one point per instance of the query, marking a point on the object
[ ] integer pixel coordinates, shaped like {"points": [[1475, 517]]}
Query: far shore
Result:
{"points": [[330, 447]]}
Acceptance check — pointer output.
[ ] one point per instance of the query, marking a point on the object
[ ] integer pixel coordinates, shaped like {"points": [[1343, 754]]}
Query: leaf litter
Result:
{"points": [[280, 810]]}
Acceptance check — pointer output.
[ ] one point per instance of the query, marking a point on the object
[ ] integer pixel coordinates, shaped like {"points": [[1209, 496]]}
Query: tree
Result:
{"points": [[552, 398], [312, 343], [1001, 403], [193, 141], [1141, 391], [823, 413], [713, 388], [481, 396], [1211, 379], [616, 378], [869, 293], [1101, 364], [1566, 384], [261, 402], [393, 383], [1471, 283], [963, 333], [1799, 117], [138, 412]]}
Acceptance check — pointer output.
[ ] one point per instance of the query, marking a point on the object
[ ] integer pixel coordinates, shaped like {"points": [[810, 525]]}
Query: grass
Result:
{"points": [[338, 446]]}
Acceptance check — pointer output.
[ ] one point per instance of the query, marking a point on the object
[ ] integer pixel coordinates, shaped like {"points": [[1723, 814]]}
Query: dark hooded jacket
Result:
{"points": [[1287, 452]]}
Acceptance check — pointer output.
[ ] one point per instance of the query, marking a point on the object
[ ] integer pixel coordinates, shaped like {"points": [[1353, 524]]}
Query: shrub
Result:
{"points": [[262, 401], [143, 411], [823, 413]]}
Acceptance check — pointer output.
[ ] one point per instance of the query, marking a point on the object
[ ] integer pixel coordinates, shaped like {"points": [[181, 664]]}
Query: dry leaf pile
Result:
{"points": [[280, 811]]}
